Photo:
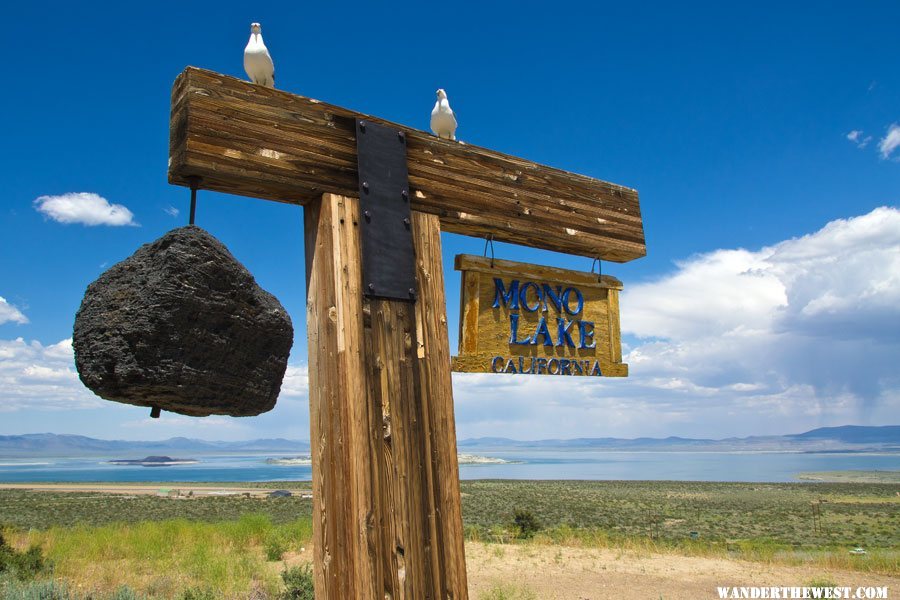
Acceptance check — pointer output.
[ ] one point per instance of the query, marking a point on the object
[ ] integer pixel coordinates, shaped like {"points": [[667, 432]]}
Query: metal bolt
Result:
{"points": [[405, 195], [365, 185], [412, 293], [406, 222], [362, 126], [371, 287], [401, 136], [367, 215]]}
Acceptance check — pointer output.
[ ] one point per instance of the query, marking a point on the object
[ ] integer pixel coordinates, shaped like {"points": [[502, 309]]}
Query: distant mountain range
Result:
{"points": [[51, 444], [849, 438]]}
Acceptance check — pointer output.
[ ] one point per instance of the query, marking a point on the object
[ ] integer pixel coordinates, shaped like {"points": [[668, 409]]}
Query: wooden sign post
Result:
{"points": [[386, 506]]}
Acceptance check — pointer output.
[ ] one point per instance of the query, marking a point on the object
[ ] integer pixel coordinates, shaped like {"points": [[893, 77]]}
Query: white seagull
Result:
{"points": [[443, 122], [257, 61]]}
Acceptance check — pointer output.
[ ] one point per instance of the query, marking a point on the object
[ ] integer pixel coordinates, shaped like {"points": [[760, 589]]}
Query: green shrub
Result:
{"points": [[124, 593], [526, 523], [22, 565], [276, 545], [197, 594], [506, 591], [12, 589], [298, 583]]}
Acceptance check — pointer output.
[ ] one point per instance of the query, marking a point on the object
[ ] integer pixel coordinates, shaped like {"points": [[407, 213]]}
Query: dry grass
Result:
{"points": [[163, 558]]}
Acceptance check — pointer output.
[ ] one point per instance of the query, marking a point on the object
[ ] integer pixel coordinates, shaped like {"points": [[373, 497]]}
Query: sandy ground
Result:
{"points": [[555, 572], [567, 573]]}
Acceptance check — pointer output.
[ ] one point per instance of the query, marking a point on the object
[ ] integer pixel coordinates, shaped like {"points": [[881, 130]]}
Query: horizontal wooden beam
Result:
{"points": [[493, 267], [255, 141]]}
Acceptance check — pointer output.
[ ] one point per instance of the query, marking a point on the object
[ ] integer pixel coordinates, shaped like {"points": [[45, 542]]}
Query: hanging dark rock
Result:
{"points": [[181, 325]]}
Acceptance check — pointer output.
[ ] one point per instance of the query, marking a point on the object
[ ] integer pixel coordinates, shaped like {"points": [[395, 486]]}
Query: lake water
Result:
{"points": [[529, 464]]}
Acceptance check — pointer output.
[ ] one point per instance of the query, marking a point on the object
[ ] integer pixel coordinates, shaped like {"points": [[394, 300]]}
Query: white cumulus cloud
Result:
{"points": [[801, 334], [38, 377], [890, 141], [84, 207], [820, 313], [41, 377], [296, 382], [10, 314]]}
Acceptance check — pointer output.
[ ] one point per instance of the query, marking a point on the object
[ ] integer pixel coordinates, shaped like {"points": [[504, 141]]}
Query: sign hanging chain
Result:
{"points": [[598, 262], [489, 240], [194, 180]]}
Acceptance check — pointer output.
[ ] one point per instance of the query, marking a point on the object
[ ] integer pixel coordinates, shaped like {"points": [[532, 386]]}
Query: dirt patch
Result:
{"points": [[566, 573], [558, 572]]}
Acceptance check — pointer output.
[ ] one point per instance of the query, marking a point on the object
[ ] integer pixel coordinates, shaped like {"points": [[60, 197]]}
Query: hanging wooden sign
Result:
{"points": [[528, 319]]}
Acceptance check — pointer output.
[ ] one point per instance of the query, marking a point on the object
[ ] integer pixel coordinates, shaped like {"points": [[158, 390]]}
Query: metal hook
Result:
{"points": [[599, 263], [489, 240], [194, 180]]}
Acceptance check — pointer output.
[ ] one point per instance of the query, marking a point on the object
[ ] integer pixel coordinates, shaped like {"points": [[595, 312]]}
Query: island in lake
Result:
{"points": [[474, 459], [154, 461], [288, 461]]}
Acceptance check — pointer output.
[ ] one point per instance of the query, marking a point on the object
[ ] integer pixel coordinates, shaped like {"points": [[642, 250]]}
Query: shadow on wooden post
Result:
{"points": [[386, 503]]}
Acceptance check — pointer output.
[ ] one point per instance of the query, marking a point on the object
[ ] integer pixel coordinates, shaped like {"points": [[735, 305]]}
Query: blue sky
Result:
{"points": [[764, 140]]}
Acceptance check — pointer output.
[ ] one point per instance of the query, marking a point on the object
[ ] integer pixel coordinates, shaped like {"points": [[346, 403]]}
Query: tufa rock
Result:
{"points": [[183, 326]]}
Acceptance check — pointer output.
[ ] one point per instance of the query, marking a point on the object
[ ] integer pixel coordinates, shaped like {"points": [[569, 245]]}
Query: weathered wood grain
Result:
{"points": [[386, 511], [344, 494], [255, 141], [614, 327], [435, 396], [468, 322]]}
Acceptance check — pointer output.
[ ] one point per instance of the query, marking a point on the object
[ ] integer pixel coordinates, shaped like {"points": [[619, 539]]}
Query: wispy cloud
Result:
{"points": [[84, 207], [171, 211], [856, 136], [10, 314], [890, 141]]}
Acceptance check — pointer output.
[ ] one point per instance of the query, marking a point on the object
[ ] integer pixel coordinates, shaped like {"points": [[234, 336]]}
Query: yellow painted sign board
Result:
{"points": [[526, 319]]}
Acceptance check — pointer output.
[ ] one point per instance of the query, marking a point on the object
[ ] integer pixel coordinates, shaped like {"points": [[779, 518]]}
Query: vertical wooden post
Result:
{"points": [[386, 506]]}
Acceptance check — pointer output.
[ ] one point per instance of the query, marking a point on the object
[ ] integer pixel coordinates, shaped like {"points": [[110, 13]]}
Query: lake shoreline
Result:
{"points": [[152, 486], [510, 464]]}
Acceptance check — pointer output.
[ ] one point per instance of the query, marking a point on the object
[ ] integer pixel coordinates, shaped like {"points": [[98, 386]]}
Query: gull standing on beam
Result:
{"points": [[257, 61], [443, 122]]}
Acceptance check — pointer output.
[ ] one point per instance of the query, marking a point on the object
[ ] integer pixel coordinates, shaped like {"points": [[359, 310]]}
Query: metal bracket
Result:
{"points": [[388, 258]]}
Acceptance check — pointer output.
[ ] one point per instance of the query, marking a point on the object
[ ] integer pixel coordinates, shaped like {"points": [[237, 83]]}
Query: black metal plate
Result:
{"points": [[389, 262]]}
